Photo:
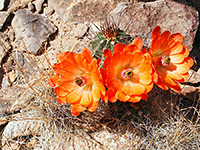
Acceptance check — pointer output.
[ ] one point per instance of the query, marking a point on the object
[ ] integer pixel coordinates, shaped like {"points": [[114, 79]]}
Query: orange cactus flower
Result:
{"points": [[171, 62], [78, 81], [127, 74]]}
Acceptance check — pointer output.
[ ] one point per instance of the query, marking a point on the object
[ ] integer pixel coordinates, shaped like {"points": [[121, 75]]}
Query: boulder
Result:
{"points": [[139, 19], [33, 29]]}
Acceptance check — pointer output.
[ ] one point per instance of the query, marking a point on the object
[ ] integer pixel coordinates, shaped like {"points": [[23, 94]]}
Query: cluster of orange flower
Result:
{"points": [[127, 75]]}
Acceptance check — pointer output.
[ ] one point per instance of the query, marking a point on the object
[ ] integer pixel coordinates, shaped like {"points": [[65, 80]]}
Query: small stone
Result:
{"points": [[80, 31], [48, 11], [3, 16], [34, 29], [5, 84], [2, 3], [194, 77], [31, 6], [12, 76], [39, 5]]}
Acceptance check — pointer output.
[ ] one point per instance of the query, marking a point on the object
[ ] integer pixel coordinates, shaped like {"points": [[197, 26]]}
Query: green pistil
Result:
{"points": [[167, 60]]}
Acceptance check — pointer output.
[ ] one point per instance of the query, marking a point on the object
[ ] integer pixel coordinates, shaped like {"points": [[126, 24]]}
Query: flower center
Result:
{"points": [[165, 60], [127, 74], [80, 81]]}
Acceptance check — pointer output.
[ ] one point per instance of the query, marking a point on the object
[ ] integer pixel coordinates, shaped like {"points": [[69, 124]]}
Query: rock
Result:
{"points": [[3, 16], [80, 30], [2, 2], [141, 18], [38, 5], [10, 104], [26, 124], [70, 11], [48, 11], [33, 29], [5, 83], [194, 77], [17, 4]]}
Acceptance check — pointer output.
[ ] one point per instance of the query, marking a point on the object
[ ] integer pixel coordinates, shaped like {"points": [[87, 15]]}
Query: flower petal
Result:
{"points": [[177, 48], [177, 37], [156, 33], [143, 67], [135, 99], [138, 58], [172, 84], [131, 48], [183, 67], [190, 61], [145, 78], [119, 47], [174, 75], [138, 42], [137, 88], [161, 84], [74, 95], [121, 96], [178, 58], [96, 93], [76, 109], [107, 53], [93, 106], [87, 54], [86, 99], [53, 81], [61, 100]]}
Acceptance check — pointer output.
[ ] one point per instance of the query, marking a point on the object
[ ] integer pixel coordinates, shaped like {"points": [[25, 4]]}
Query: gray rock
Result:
{"points": [[33, 29], [2, 2], [3, 16], [141, 18]]}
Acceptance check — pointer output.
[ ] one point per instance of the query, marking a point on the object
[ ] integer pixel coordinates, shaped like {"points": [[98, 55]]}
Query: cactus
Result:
{"points": [[109, 35]]}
